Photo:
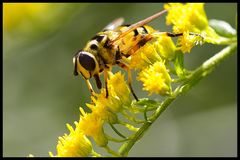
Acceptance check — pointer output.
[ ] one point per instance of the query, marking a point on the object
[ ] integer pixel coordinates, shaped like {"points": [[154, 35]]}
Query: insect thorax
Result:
{"points": [[98, 46]]}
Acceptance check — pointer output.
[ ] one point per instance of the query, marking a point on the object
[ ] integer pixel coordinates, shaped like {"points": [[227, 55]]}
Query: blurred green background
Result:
{"points": [[41, 95]]}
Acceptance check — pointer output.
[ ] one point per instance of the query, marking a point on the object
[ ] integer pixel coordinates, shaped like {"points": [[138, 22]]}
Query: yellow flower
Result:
{"points": [[118, 98], [161, 46], [176, 11], [75, 144], [198, 16], [119, 88], [165, 47], [145, 56], [187, 41], [187, 18], [92, 125], [106, 108], [156, 79]]}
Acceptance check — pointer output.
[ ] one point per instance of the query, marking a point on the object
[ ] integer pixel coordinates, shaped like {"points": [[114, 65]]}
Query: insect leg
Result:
{"points": [[169, 34], [98, 81], [105, 79], [130, 83], [124, 66], [90, 87]]}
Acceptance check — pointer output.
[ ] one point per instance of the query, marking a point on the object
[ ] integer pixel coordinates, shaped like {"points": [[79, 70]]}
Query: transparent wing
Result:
{"points": [[114, 24]]}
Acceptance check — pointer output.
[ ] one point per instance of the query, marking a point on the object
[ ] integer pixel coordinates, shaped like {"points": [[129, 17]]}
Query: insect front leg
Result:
{"points": [[90, 87], [105, 72], [125, 66]]}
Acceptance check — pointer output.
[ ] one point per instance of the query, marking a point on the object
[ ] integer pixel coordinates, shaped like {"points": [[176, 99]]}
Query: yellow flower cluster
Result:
{"points": [[104, 110], [187, 18], [156, 79], [75, 144], [149, 60], [191, 20]]}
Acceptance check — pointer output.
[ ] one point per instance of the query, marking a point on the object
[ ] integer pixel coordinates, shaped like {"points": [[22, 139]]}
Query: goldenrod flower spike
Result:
{"points": [[156, 79], [191, 18], [187, 18]]}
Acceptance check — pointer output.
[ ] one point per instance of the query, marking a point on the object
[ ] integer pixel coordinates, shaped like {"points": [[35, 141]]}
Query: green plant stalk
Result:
{"points": [[202, 71]]}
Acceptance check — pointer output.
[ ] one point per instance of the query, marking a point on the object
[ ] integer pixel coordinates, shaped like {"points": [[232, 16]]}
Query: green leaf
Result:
{"points": [[222, 28], [178, 63], [148, 102]]}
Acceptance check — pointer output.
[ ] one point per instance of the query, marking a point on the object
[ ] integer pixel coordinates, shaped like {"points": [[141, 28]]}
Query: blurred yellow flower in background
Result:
{"points": [[29, 24], [17, 15], [28, 20]]}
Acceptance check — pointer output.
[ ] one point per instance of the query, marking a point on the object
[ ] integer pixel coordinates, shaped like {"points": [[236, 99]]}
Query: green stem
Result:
{"points": [[128, 126], [121, 135], [111, 151], [115, 140], [196, 75], [95, 154]]}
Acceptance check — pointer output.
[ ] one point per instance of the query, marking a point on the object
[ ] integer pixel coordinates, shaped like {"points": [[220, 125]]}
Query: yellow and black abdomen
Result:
{"points": [[131, 42]]}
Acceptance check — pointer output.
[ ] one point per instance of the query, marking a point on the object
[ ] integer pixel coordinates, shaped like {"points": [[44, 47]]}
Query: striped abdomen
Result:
{"points": [[135, 39]]}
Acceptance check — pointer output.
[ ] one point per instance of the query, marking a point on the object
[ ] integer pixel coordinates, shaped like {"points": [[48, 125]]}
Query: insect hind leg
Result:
{"points": [[105, 79], [130, 84]]}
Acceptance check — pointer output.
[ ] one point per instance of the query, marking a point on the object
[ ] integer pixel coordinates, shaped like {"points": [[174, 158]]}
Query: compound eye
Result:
{"points": [[87, 61]]}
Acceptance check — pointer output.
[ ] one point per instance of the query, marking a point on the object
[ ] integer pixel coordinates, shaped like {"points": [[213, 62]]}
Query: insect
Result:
{"points": [[108, 47]]}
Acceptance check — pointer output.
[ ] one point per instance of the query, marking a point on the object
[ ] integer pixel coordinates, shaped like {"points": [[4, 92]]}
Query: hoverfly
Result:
{"points": [[109, 46]]}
